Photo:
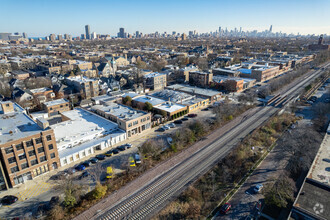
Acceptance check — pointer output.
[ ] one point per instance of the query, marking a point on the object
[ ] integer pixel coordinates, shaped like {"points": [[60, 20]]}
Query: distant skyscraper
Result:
{"points": [[271, 28], [93, 35], [52, 37], [24, 35], [240, 29], [66, 36], [60, 37], [88, 32], [121, 33]]}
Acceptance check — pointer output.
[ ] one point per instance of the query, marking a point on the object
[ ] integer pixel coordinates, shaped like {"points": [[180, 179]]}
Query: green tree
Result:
{"points": [[148, 106], [69, 199], [99, 191], [163, 113], [127, 100]]}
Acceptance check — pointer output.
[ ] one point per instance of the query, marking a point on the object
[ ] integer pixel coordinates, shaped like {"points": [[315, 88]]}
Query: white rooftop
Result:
{"points": [[80, 79], [170, 107], [81, 124], [38, 90], [155, 74], [56, 102], [152, 100], [193, 89]]}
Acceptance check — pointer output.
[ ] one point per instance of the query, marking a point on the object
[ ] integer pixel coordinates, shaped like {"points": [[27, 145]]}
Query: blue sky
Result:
{"points": [[43, 17]]}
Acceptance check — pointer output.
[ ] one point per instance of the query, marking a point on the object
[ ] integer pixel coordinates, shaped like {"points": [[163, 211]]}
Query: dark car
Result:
{"points": [[121, 148], [161, 129], [225, 208], [94, 160], [115, 151], [70, 171], [80, 167], [108, 153], [192, 115], [184, 119], [205, 109], [100, 157], [178, 122], [84, 175], [8, 200], [128, 145], [87, 163]]}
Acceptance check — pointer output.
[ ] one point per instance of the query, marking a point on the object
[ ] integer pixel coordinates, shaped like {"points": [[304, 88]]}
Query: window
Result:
{"points": [[49, 137], [77, 156], [43, 158], [50, 147], [22, 157], [14, 169], [148, 117], [52, 155], [61, 106], [41, 149], [19, 146], [50, 108], [135, 122], [66, 104], [130, 125], [29, 143], [9, 150], [34, 162], [11, 160], [32, 153], [38, 140], [24, 165]]}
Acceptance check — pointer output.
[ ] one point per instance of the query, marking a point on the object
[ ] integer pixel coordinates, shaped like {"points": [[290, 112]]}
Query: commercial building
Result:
{"points": [[88, 32], [233, 84], [155, 81], [201, 79], [259, 72], [192, 102], [132, 121], [82, 133], [313, 200], [87, 87], [172, 109], [27, 149], [210, 94], [56, 106]]}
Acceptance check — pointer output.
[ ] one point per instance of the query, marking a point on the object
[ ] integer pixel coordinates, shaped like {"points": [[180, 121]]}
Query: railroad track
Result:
{"points": [[149, 199]]}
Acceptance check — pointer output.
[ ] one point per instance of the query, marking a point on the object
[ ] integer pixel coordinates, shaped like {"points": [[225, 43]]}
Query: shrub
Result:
{"points": [[99, 191]]}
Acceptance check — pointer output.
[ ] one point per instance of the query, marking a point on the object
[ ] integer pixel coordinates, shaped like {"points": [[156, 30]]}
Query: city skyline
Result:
{"points": [[106, 17]]}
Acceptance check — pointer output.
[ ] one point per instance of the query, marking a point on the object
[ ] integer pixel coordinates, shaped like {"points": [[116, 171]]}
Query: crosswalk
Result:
{"points": [[33, 191]]}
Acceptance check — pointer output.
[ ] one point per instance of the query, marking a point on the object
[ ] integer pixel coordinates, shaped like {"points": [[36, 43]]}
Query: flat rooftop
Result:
{"points": [[80, 79], [173, 96], [155, 74], [170, 107], [44, 89], [320, 170], [219, 78], [194, 90], [152, 100], [56, 102], [81, 124], [16, 125], [120, 111]]}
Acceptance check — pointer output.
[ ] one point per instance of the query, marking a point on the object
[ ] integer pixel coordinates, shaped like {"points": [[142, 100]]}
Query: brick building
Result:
{"points": [[155, 81], [27, 149], [201, 79], [57, 106], [87, 87]]}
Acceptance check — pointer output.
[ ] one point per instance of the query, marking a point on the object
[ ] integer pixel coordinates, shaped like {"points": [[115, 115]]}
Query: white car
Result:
{"points": [[258, 188], [171, 125]]}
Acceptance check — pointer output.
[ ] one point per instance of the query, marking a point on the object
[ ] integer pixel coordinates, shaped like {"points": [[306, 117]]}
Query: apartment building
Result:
{"points": [[87, 87], [155, 81], [184, 72], [201, 79], [27, 149], [43, 94], [56, 106], [132, 121]]}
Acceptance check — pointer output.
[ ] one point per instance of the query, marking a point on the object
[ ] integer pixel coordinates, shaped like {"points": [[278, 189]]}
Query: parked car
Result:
{"points": [[161, 129], [178, 122], [108, 153], [166, 127], [258, 188], [121, 148], [109, 172], [128, 145], [80, 167], [115, 151], [60, 176], [131, 162], [100, 157], [8, 200], [87, 163], [171, 125], [185, 119], [205, 109], [192, 115], [225, 208], [84, 175], [94, 160], [137, 158]]}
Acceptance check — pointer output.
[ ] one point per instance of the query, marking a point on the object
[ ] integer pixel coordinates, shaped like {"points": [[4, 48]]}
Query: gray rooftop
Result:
{"points": [[195, 90], [16, 125], [152, 100], [55, 102], [120, 111]]}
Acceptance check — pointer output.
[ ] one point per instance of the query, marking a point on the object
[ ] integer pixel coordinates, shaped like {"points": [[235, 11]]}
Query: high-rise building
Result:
{"points": [[121, 33], [24, 35], [60, 37], [137, 34], [52, 37], [271, 28], [88, 32], [93, 35]]}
